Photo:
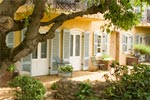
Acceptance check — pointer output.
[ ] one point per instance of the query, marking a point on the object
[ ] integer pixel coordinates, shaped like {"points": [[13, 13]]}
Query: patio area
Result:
{"points": [[6, 92], [77, 76]]}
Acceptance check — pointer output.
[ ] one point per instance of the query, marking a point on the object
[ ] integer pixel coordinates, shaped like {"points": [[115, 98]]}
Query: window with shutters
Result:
{"points": [[127, 43], [139, 39], [100, 43]]}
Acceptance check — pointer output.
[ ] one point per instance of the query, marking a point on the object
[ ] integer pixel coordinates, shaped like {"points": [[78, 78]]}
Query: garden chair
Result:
{"points": [[95, 63]]}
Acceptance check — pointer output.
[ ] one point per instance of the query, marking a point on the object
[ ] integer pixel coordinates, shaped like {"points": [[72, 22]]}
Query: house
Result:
{"points": [[76, 41]]}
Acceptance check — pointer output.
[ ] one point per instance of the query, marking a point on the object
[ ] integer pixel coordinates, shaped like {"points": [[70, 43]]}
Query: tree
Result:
{"points": [[118, 12]]}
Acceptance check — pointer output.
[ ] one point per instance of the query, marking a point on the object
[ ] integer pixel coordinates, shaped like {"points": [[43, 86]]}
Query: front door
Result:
{"points": [[40, 60], [75, 50]]}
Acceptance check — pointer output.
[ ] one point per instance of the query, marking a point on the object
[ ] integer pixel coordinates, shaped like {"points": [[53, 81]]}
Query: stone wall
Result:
{"points": [[67, 89]]}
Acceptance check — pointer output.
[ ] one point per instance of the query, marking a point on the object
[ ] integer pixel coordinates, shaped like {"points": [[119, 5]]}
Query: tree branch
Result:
{"points": [[9, 7], [31, 39], [18, 25], [59, 20]]}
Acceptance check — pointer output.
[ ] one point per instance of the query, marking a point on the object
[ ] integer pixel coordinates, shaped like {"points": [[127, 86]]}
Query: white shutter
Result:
{"points": [[124, 43], [130, 43], [55, 52], [10, 40], [26, 61], [104, 43], [86, 50], [55, 44], [95, 43], [66, 45]]}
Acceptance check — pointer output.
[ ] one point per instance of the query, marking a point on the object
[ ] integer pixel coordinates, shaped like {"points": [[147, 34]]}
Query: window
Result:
{"points": [[71, 45], [44, 49], [127, 42], [77, 49], [34, 54], [139, 39], [100, 42]]}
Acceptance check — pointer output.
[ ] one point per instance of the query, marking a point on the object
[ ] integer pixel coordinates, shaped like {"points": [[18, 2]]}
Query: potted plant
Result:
{"points": [[65, 70]]}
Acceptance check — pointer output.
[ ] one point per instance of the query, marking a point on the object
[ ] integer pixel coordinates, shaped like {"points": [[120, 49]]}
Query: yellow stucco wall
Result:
{"points": [[144, 30], [112, 44], [17, 38]]}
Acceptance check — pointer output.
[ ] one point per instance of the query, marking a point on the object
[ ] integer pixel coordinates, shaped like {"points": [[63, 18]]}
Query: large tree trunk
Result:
{"points": [[4, 51]]}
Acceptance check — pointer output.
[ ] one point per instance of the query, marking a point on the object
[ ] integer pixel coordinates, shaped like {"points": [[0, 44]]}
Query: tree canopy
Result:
{"points": [[118, 12]]}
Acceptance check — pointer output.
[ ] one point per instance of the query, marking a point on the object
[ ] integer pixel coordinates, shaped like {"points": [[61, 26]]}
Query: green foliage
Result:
{"points": [[26, 21], [114, 63], [84, 91], [121, 15], [11, 68], [143, 49], [54, 86], [130, 84], [29, 88], [65, 68], [106, 57]]}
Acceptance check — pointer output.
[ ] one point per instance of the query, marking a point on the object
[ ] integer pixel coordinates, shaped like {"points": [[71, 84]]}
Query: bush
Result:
{"points": [[85, 92], [29, 88], [130, 84], [143, 49], [11, 68], [54, 86], [65, 68]]}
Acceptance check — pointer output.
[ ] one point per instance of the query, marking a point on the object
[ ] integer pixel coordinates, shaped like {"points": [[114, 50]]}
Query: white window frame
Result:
{"points": [[103, 43], [139, 39]]}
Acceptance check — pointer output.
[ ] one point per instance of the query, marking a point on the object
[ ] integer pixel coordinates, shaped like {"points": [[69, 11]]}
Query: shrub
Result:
{"points": [[54, 86], [143, 49], [29, 88], [130, 84], [65, 68], [85, 92], [11, 68]]}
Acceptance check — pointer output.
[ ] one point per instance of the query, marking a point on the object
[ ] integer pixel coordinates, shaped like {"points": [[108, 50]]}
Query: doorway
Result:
{"points": [[75, 50], [40, 60]]}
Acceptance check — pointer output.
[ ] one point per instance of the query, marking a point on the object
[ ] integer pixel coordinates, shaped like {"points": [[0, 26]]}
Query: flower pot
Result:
{"points": [[65, 74]]}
